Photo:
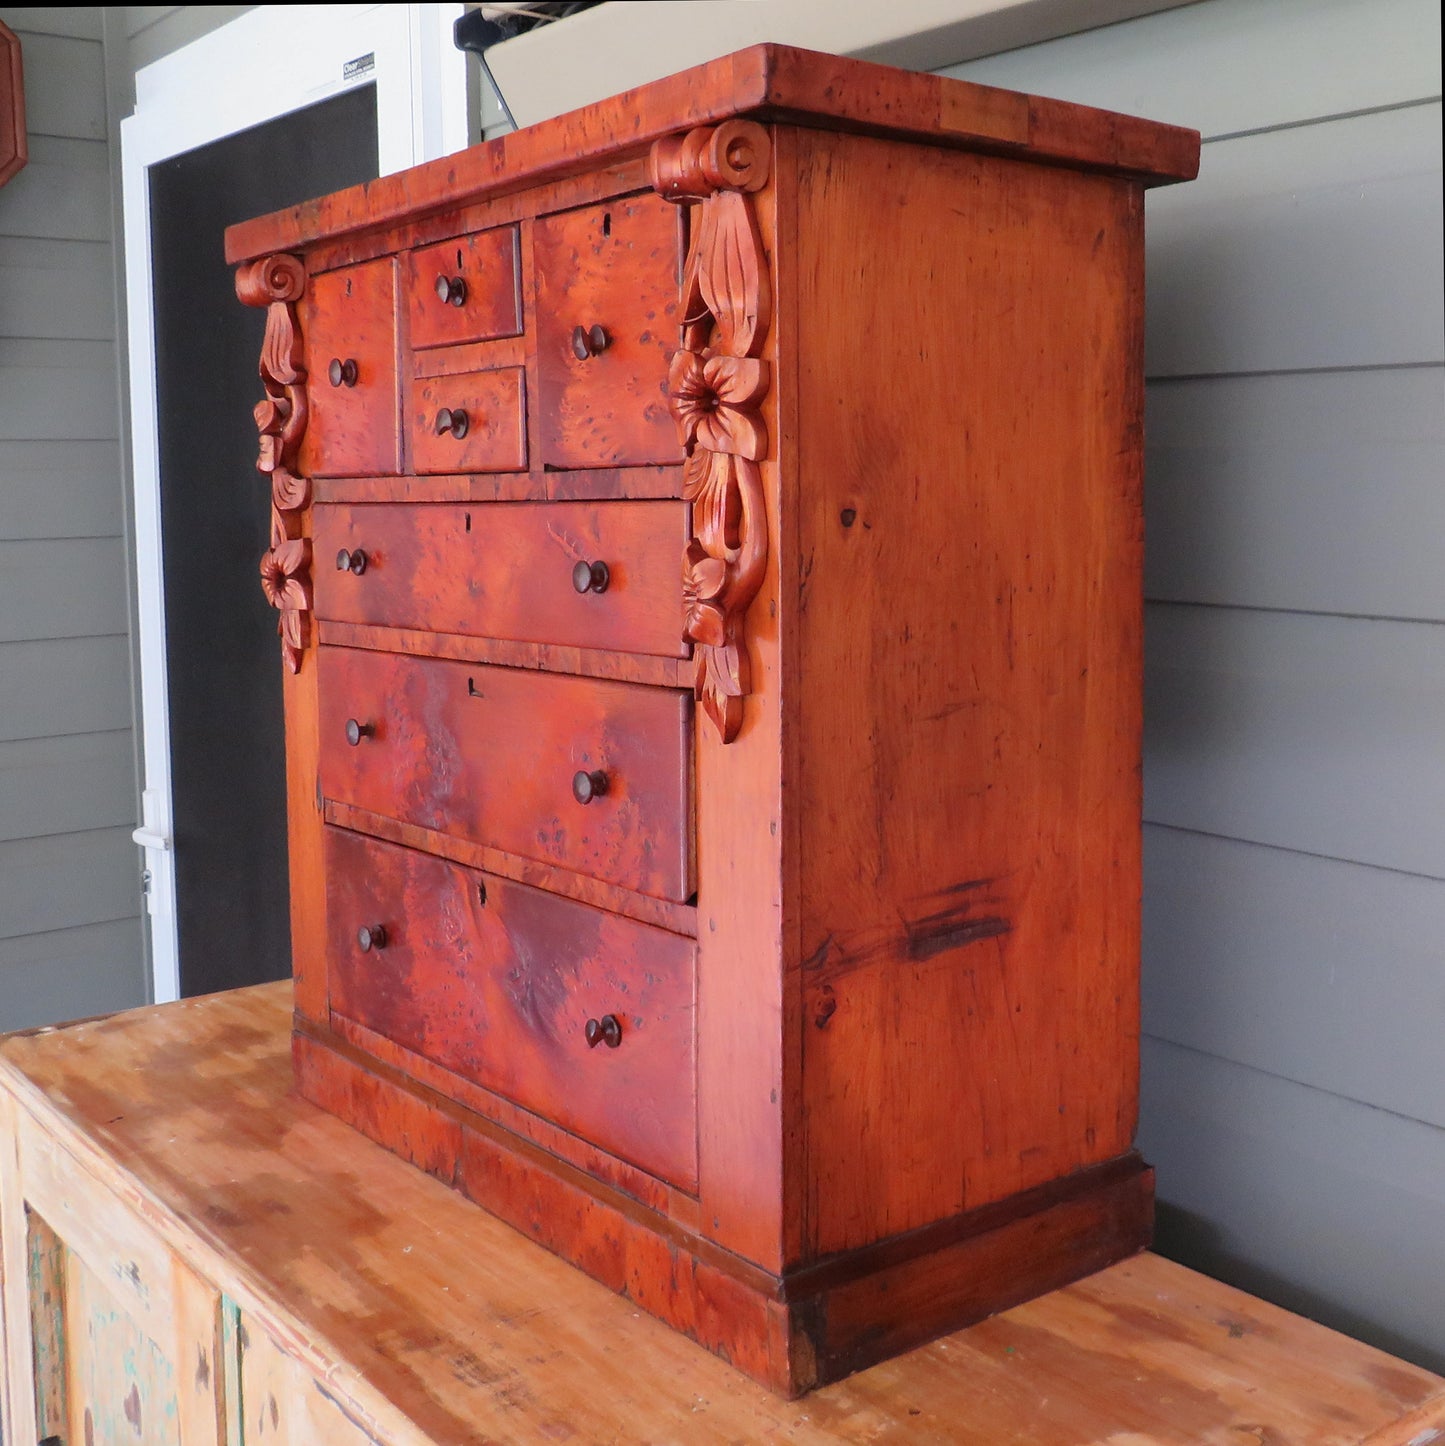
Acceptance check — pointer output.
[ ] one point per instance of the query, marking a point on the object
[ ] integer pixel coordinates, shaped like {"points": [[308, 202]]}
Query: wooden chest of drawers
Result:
{"points": [[706, 537]]}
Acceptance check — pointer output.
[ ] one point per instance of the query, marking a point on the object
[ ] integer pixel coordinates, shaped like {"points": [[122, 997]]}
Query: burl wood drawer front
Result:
{"points": [[607, 322], [508, 570], [505, 756], [349, 331], [471, 422], [498, 982], [465, 290]]}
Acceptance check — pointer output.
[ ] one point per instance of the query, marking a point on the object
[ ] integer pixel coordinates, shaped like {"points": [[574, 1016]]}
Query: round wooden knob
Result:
{"points": [[342, 373], [589, 341], [452, 290], [607, 1030], [587, 786], [356, 731], [453, 420], [591, 577], [371, 936], [351, 561]]}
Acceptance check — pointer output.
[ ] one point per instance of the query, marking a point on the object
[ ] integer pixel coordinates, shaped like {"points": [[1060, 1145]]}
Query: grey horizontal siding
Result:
{"points": [[1317, 492], [1238, 65], [1294, 769], [70, 588], [57, 290], [67, 880], [1313, 247], [157, 30], [83, 22], [64, 85], [62, 194], [1298, 965], [52, 391], [70, 974], [70, 899], [60, 489], [69, 784], [1268, 1180], [1312, 733], [73, 685]]}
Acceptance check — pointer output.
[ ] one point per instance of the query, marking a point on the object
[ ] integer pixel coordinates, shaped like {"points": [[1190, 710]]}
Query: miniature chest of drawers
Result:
{"points": [[706, 538]]}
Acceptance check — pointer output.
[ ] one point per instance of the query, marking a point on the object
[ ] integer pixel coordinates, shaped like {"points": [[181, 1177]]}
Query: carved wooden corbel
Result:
{"points": [[716, 385], [277, 282]]}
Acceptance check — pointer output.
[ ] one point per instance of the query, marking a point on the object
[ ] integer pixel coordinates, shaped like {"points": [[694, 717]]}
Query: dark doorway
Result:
{"points": [[222, 653]]}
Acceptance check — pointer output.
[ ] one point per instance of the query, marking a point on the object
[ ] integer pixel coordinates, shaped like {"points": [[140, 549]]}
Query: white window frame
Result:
{"points": [[266, 63]]}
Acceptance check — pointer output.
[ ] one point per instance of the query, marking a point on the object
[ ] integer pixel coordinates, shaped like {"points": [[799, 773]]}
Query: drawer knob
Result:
{"points": [[589, 341], [587, 786], [591, 577], [607, 1030], [342, 373], [356, 731], [371, 936], [453, 420], [351, 561], [452, 291]]}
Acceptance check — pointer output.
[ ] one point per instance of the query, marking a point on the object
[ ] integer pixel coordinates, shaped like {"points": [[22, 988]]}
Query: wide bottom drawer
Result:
{"points": [[580, 1016]]}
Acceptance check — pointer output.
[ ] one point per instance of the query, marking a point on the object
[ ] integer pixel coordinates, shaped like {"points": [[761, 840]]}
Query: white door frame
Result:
{"points": [[266, 63]]}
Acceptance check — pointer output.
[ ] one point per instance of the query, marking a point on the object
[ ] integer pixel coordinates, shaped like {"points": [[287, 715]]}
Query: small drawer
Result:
{"points": [[509, 570], [348, 328], [607, 324], [465, 290], [499, 983], [470, 422], [505, 757]]}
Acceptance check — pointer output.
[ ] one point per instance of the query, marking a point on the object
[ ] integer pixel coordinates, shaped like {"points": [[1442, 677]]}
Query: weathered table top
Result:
{"points": [[436, 1322]]}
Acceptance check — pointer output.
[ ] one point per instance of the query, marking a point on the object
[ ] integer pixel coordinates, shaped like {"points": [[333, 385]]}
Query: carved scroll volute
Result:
{"points": [[277, 282], [716, 385]]}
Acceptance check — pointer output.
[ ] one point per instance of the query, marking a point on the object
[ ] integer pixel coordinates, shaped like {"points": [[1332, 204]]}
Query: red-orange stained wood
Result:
{"points": [[303, 839], [349, 316], [498, 982], [490, 296], [494, 435], [969, 694], [615, 267], [764, 82], [491, 754], [506, 571]]}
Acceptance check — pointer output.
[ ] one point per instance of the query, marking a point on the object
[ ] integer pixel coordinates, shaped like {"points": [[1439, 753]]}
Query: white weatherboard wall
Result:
{"points": [[70, 900], [1294, 893]]}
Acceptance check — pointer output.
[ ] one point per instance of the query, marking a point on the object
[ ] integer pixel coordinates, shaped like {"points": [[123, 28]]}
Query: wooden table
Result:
{"points": [[190, 1254]]}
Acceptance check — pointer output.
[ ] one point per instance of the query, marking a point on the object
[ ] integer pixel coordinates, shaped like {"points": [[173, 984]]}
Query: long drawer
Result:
{"points": [[590, 775], [580, 1016], [509, 570]]}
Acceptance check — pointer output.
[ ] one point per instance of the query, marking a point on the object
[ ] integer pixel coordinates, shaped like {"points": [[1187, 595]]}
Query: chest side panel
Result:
{"points": [[970, 706]]}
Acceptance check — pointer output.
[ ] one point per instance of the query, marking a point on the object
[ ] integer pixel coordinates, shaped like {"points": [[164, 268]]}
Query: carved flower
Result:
{"points": [[713, 402], [286, 575], [703, 579]]}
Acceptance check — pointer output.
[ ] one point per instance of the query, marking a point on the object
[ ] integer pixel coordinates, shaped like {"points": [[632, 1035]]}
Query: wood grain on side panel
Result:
{"points": [[969, 707]]}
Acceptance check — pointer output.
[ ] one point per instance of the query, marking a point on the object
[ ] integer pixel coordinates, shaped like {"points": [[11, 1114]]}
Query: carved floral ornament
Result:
{"points": [[277, 282], [716, 386]]}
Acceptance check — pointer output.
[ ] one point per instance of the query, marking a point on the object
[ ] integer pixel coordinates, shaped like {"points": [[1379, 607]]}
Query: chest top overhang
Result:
{"points": [[762, 83]]}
